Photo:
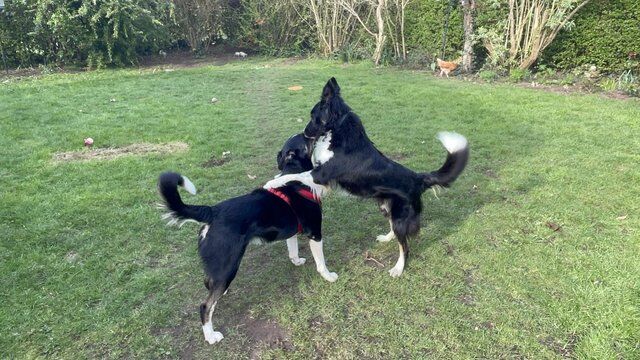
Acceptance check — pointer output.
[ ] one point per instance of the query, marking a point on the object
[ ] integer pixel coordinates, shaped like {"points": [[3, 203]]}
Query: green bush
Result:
{"points": [[517, 75], [424, 25], [488, 75], [605, 32], [273, 27], [93, 33]]}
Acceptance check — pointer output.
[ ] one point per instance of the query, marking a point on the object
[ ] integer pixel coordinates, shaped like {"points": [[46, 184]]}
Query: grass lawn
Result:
{"points": [[533, 253]]}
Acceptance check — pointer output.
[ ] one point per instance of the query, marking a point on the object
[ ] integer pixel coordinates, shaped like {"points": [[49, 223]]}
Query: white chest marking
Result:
{"points": [[256, 241], [321, 153]]}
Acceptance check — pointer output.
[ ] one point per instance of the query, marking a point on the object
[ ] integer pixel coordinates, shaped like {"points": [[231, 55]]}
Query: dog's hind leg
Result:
{"points": [[398, 268], [206, 312], [385, 208], [389, 236], [406, 223], [292, 247]]}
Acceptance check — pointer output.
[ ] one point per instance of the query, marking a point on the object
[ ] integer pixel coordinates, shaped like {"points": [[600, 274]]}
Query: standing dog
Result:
{"points": [[260, 216], [344, 155]]}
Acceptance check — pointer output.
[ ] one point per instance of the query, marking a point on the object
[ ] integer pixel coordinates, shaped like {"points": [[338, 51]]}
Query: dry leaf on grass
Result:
{"points": [[295, 88], [553, 226]]}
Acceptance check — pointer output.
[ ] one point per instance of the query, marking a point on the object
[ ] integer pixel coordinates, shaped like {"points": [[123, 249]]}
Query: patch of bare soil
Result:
{"points": [[214, 161], [266, 334], [575, 89], [186, 59], [114, 153], [563, 348]]}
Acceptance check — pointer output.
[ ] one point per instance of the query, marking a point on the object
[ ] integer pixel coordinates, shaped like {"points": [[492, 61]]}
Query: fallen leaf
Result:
{"points": [[252, 177], [295, 88], [553, 226], [621, 217], [225, 153]]}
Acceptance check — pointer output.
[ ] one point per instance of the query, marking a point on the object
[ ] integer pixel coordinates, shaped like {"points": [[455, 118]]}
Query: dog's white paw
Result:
{"points": [[273, 184], [385, 238], [395, 271], [329, 276], [298, 261], [211, 336]]}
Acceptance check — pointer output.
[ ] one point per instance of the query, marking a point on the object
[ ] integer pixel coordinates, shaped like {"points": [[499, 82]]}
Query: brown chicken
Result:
{"points": [[446, 66]]}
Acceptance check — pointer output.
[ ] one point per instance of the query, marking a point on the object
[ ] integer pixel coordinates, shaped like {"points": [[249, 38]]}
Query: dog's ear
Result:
{"points": [[330, 90], [280, 160]]}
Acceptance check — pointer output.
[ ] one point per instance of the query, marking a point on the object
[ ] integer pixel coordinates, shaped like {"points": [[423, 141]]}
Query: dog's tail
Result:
{"points": [[457, 156], [179, 212]]}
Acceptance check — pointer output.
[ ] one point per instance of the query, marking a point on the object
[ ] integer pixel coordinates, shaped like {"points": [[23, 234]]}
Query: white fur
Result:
{"points": [[211, 336], [321, 266], [386, 238], [188, 185], [292, 247], [256, 241], [204, 231], [451, 141], [399, 267], [321, 153], [305, 178]]}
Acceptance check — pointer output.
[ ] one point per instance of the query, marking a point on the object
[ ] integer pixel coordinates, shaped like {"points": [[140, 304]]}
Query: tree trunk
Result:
{"points": [[380, 37], [468, 9]]}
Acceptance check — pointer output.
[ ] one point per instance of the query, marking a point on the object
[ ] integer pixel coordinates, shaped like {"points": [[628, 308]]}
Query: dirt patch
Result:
{"points": [[266, 334], [215, 161], [565, 349], [467, 299], [114, 153], [398, 156]]}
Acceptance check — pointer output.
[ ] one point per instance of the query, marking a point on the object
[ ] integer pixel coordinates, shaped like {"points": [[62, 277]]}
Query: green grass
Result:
{"points": [[88, 269]]}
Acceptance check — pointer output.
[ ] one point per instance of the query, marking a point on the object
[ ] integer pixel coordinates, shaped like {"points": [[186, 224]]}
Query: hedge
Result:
{"points": [[605, 32]]}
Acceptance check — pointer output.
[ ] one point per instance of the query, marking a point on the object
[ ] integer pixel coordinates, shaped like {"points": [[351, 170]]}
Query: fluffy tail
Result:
{"points": [[180, 212], [457, 156]]}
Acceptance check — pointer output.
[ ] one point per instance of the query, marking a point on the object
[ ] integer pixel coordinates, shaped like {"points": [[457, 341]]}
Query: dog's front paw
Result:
{"points": [[385, 238], [298, 261], [329, 276], [211, 336], [273, 184]]}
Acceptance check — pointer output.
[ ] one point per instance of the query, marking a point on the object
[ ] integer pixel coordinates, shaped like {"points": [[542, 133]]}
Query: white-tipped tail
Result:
{"points": [[188, 185], [453, 142]]}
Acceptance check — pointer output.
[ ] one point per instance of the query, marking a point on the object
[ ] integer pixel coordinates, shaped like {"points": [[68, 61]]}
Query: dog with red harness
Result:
{"points": [[258, 217]]}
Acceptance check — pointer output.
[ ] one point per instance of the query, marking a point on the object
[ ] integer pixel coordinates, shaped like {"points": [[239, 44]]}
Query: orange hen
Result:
{"points": [[446, 66]]}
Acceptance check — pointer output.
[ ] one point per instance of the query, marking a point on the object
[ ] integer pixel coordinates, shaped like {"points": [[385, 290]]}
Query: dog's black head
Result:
{"points": [[295, 156], [326, 114]]}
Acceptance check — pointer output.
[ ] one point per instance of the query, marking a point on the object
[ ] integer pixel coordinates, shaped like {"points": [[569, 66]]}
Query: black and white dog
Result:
{"points": [[260, 216], [343, 155]]}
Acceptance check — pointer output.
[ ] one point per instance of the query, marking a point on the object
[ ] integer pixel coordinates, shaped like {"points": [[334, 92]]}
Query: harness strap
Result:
{"points": [[304, 193]]}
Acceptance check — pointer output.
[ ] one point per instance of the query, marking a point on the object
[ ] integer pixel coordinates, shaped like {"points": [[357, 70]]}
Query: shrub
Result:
{"points": [[605, 33], [278, 27], [425, 24], [488, 75], [94, 33], [517, 75]]}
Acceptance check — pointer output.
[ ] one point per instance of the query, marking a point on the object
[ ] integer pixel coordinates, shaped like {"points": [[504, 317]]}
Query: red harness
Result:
{"points": [[302, 192]]}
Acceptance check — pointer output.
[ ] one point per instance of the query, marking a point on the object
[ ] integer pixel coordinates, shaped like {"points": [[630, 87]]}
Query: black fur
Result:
{"points": [[235, 222], [360, 168]]}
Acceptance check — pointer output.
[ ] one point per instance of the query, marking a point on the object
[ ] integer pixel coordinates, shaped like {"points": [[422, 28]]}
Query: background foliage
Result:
{"points": [[605, 32], [118, 32]]}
